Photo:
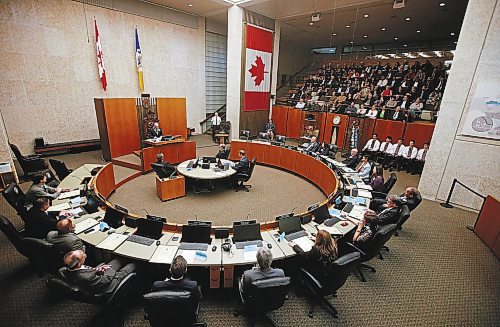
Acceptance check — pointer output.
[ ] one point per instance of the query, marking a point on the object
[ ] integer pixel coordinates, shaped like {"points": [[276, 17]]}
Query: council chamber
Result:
{"points": [[250, 163]]}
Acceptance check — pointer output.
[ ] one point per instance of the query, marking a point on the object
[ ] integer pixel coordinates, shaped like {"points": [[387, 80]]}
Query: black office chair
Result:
{"points": [[60, 168], [171, 308], [263, 136], [391, 181], [404, 214], [335, 278], [417, 201], [382, 235], [332, 150], [92, 205], [29, 164], [112, 301], [15, 197], [244, 135], [263, 296], [242, 178]]}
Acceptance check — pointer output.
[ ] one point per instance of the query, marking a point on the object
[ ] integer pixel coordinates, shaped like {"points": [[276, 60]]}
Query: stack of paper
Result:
{"points": [[112, 242], [364, 193], [84, 225], [304, 243], [189, 255], [361, 185], [67, 195], [250, 253], [59, 207], [164, 254]]}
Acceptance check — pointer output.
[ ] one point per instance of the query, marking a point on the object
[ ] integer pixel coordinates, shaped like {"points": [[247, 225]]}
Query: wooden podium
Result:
{"points": [[168, 189]]}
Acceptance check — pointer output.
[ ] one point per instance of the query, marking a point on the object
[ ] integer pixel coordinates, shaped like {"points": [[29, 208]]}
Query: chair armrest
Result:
{"points": [[33, 157], [311, 279], [378, 195], [356, 248], [121, 289]]}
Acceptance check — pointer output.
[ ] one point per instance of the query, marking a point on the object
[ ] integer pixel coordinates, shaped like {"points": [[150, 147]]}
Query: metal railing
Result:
{"points": [[206, 123]]}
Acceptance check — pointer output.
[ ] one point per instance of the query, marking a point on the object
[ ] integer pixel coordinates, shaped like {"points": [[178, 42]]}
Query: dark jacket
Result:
{"points": [[183, 284], [96, 281], [255, 274], [152, 133], [312, 147], [314, 262], [388, 216], [65, 243], [39, 223], [351, 161], [242, 166]]}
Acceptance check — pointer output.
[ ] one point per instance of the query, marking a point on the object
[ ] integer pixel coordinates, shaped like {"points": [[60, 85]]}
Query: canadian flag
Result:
{"points": [[259, 51], [100, 65]]}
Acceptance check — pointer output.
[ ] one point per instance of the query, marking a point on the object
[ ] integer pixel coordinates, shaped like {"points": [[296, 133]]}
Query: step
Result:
{"points": [[124, 174], [129, 161]]}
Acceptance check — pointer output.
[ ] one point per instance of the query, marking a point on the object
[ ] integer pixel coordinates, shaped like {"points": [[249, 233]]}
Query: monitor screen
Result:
{"points": [[348, 207], [113, 217], [338, 200], [321, 214], [246, 232], [158, 218], [209, 159], [149, 228], [199, 222], [244, 222], [289, 225], [196, 234], [120, 208]]}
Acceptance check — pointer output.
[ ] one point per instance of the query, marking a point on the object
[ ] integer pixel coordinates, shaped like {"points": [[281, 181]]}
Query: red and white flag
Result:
{"points": [[100, 65], [259, 51]]}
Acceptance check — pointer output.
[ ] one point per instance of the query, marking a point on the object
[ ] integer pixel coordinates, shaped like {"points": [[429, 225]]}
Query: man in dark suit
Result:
{"points": [[223, 152], [177, 280], [313, 145], [101, 279], [65, 239], [38, 221], [353, 159], [243, 165], [263, 271], [41, 189], [169, 169], [155, 131], [390, 214]]}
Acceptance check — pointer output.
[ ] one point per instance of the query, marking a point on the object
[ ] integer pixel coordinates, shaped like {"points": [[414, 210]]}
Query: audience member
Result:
{"points": [[372, 145], [353, 159], [377, 178], [393, 154], [39, 188], [301, 104], [417, 164], [409, 155], [65, 239], [384, 149]]}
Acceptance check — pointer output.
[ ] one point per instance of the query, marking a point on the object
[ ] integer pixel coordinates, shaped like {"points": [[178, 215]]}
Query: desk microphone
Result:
{"points": [[292, 212], [196, 217], [248, 216], [147, 213]]}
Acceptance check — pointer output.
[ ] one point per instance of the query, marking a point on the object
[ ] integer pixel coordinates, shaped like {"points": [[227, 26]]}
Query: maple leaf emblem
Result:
{"points": [[257, 71]]}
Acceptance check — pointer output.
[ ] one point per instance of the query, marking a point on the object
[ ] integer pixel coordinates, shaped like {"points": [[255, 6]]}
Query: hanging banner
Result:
{"points": [[259, 50]]}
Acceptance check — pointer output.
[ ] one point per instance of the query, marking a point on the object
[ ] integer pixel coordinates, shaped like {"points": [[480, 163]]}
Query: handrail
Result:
{"points": [[455, 181], [211, 115], [294, 75]]}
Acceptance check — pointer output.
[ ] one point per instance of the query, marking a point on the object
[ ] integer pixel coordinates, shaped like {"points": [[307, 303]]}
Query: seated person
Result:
{"points": [[361, 111], [390, 214], [409, 155], [377, 178], [409, 197], [177, 280], [322, 254], [223, 152], [38, 221], [65, 239], [39, 188], [323, 150], [313, 145], [384, 149], [398, 115], [155, 131], [169, 169], [372, 113], [417, 165], [366, 229], [352, 160], [243, 165], [372, 145], [364, 169], [270, 129], [394, 155], [301, 104], [101, 279], [261, 272]]}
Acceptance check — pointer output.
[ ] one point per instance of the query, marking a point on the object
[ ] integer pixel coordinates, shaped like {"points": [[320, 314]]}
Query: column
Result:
{"points": [[234, 50], [276, 54]]}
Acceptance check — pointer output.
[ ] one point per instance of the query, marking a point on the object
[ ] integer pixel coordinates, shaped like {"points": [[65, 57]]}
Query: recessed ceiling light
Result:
{"points": [[334, 34], [442, 4], [419, 31], [348, 26], [365, 15], [190, 5], [405, 45], [311, 23], [352, 42], [365, 36], [452, 34], [396, 38], [331, 50], [383, 28], [455, 42], [407, 19]]}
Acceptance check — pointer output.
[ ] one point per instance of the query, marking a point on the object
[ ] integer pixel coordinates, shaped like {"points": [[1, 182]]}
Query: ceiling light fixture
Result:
{"points": [[352, 42], [407, 19], [365, 36], [396, 38], [347, 26], [311, 23], [190, 4], [334, 34], [383, 28], [365, 15], [419, 31], [452, 34], [442, 4], [405, 45]]}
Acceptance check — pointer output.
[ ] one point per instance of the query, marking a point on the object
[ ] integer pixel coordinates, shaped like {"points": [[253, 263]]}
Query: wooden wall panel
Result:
{"points": [[392, 128], [122, 126], [368, 125], [105, 180], [257, 150], [288, 159], [420, 132], [321, 124], [186, 150], [280, 116], [254, 121], [488, 223], [315, 172], [236, 146], [172, 116], [302, 164], [148, 157], [342, 127], [293, 123]]}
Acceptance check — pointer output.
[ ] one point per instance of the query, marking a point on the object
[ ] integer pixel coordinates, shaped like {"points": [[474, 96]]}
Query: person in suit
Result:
{"points": [[321, 255], [39, 188], [364, 169], [390, 213], [398, 115], [270, 129], [372, 145], [395, 155], [223, 152], [313, 145], [409, 155], [38, 221], [408, 197], [178, 281], [262, 271], [243, 165], [101, 279], [352, 160], [384, 149], [169, 169], [323, 150], [65, 239], [417, 164], [155, 131]]}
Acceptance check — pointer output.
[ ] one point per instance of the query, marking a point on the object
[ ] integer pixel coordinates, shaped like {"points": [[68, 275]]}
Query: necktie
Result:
{"points": [[360, 167], [410, 150], [395, 116], [385, 147], [423, 154], [397, 150], [371, 145]]}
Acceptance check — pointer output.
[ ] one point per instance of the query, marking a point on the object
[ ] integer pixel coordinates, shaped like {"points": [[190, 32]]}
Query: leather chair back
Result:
{"points": [[250, 171], [339, 270], [17, 153], [29, 164], [12, 234], [393, 178], [418, 200], [267, 294], [60, 168], [382, 235], [332, 150], [15, 197], [170, 308], [404, 214]]}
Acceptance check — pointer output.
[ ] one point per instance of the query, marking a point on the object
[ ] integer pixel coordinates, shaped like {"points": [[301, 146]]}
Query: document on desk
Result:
{"points": [[84, 225], [76, 211], [250, 253], [112, 242], [332, 230], [163, 254], [304, 243], [357, 212], [363, 186], [355, 200], [219, 173], [59, 207], [76, 201], [364, 193], [67, 195], [189, 255], [334, 212]]}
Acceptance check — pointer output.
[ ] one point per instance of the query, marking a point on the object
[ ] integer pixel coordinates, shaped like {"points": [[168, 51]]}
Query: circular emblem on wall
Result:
{"points": [[336, 120], [146, 103], [482, 124]]}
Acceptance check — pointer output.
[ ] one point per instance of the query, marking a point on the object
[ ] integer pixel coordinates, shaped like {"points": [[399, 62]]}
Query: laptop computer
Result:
{"points": [[321, 213], [195, 237], [113, 217], [291, 227], [247, 234]]}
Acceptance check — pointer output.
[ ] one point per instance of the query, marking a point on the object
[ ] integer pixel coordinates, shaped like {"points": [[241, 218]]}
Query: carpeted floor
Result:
{"points": [[437, 273]]}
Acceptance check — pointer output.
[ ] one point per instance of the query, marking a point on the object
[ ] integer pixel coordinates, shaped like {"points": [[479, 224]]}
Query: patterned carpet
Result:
{"points": [[437, 273]]}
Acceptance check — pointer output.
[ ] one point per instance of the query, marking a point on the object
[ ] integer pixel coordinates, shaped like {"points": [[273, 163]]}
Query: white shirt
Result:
{"points": [[216, 120], [372, 114], [364, 170], [300, 105], [368, 145], [420, 153], [413, 153], [416, 106], [404, 104], [401, 150], [382, 147]]}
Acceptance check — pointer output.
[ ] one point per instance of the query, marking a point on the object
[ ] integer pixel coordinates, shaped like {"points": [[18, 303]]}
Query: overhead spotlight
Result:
{"points": [[452, 34], [407, 19], [365, 36], [405, 45], [396, 38], [348, 26], [365, 15], [190, 4], [419, 31], [442, 4], [352, 42], [334, 34], [311, 23], [383, 29], [455, 42]]}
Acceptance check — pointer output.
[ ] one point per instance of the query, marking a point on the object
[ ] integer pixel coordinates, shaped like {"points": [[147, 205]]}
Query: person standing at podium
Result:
{"points": [[155, 131]]}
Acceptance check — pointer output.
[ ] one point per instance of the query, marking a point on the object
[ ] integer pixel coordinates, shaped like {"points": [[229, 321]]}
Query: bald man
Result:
{"points": [[101, 279], [65, 239]]}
